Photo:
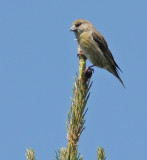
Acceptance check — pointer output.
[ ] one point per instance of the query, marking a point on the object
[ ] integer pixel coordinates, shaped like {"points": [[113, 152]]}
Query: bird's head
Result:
{"points": [[79, 26]]}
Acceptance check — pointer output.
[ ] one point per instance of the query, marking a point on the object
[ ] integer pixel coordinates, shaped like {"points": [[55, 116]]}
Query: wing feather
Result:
{"points": [[101, 42]]}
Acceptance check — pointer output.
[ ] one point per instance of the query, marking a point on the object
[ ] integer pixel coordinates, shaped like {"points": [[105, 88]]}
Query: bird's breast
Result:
{"points": [[91, 49], [85, 40]]}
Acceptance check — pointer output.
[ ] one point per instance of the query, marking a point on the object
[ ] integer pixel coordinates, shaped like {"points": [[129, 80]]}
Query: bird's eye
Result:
{"points": [[78, 24]]}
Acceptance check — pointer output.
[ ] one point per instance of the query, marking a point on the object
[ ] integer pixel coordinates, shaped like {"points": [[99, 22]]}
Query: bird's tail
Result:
{"points": [[120, 80], [116, 74]]}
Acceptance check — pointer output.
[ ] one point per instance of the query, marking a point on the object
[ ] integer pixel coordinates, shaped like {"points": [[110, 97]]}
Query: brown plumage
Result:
{"points": [[95, 46]]}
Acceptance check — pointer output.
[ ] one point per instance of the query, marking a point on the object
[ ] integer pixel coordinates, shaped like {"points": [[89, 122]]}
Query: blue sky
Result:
{"points": [[38, 62]]}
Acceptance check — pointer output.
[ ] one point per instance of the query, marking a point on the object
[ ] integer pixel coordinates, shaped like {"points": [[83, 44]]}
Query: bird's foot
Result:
{"points": [[80, 52]]}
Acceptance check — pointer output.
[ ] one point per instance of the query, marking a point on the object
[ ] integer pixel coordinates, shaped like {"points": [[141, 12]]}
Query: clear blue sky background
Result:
{"points": [[38, 62]]}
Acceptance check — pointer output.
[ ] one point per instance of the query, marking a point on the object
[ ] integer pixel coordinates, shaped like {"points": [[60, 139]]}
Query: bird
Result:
{"points": [[95, 47]]}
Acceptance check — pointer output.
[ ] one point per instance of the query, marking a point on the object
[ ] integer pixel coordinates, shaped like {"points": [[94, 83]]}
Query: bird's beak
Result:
{"points": [[73, 28]]}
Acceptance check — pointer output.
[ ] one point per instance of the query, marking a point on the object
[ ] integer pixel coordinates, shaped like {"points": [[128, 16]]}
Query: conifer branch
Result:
{"points": [[76, 115], [101, 154], [30, 155]]}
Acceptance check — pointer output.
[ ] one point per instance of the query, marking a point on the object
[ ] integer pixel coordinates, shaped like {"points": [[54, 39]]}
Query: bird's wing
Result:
{"points": [[101, 42]]}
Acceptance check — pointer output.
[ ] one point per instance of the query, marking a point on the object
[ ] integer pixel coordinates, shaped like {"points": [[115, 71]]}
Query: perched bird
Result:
{"points": [[94, 46]]}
